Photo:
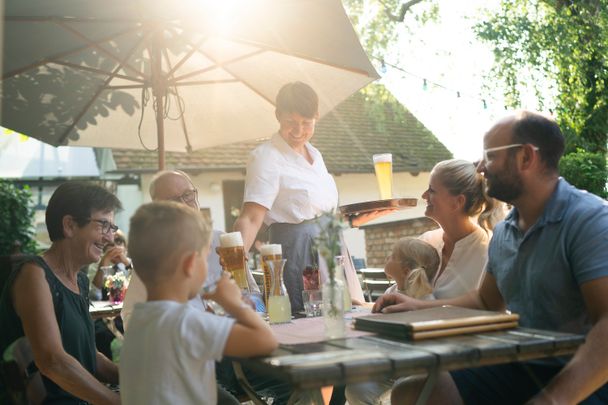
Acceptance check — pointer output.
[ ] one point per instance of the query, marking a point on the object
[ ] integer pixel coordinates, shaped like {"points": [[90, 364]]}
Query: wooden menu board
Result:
{"points": [[436, 322]]}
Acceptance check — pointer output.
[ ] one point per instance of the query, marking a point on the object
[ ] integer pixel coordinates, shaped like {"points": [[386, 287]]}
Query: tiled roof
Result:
{"points": [[369, 122]]}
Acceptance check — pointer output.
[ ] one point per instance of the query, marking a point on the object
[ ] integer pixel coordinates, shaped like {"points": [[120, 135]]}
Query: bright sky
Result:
{"points": [[448, 53]]}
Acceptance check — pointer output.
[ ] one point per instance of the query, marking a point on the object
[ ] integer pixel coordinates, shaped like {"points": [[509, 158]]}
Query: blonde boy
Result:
{"points": [[171, 346]]}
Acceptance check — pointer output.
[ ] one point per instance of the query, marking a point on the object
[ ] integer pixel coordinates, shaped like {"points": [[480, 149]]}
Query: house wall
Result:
{"points": [[379, 239], [209, 185]]}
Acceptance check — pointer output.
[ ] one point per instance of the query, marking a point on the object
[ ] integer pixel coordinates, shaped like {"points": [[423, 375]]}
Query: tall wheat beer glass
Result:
{"points": [[269, 253], [232, 257], [383, 164]]}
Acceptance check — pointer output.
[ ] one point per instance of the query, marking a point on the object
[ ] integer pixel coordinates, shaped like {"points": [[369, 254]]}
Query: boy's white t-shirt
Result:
{"points": [[169, 354]]}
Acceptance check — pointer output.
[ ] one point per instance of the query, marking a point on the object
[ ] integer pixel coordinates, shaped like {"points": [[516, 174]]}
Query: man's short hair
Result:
{"points": [[162, 174], [297, 97], [77, 199], [160, 233], [541, 131]]}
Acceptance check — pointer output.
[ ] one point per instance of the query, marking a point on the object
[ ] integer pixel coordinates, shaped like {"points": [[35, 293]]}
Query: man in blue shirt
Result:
{"points": [[548, 262]]}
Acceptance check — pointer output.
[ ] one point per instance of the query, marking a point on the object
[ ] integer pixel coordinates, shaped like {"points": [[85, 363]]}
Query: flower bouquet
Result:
{"points": [[117, 286]]}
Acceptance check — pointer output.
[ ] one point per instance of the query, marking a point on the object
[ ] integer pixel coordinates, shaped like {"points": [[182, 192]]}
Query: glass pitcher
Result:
{"points": [[279, 307]]}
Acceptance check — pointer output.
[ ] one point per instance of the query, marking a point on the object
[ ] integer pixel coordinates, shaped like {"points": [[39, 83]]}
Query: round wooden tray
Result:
{"points": [[378, 205]]}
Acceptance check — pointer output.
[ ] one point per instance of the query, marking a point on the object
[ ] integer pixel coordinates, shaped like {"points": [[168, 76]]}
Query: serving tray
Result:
{"points": [[378, 205]]}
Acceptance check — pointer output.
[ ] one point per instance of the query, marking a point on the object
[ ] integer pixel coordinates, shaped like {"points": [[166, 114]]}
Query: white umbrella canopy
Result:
{"points": [[117, 73]]}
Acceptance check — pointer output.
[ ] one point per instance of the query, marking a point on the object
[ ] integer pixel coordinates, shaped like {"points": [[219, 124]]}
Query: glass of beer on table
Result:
{"points": [[383, 165], [268, 253], [233, 259]]}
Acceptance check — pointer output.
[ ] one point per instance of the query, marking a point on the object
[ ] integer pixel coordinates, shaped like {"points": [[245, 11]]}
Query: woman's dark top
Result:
{"points": [[73, 318]]}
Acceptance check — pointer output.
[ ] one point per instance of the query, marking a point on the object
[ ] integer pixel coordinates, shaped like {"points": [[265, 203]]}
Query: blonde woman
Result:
{"points": [[457, 201]]}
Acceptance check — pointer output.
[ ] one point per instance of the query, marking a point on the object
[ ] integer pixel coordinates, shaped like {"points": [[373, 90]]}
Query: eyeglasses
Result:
{"points": [[188, 197], [496, 149], [106, 226]]}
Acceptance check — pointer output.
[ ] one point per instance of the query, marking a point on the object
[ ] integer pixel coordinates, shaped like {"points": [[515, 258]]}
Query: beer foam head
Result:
{"points": [[231, 239], [271, 250], [383, 157]]}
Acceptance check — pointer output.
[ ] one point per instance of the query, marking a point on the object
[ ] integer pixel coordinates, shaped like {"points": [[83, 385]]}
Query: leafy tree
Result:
{"points": [[16, 219], [563, 43], [380, 22], [586, 170]]}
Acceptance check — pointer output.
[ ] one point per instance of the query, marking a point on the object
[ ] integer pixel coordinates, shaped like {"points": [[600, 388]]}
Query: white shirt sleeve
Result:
{"points": [[263, 178]]}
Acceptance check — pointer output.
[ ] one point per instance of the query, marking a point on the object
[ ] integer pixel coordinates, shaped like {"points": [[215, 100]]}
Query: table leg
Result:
{"points": [[429, 384], [240, 376]]}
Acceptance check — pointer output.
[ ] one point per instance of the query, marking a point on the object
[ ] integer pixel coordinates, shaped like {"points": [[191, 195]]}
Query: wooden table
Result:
{"points": [[104, 309], [369, 357]]}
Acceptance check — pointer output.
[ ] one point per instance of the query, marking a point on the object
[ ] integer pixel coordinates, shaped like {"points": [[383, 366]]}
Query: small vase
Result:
{"points": [[333, 309], [339, 275]]}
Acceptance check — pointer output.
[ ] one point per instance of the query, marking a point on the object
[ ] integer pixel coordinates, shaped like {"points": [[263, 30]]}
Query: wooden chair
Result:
{"points": [[20, 374], [374, 282]]}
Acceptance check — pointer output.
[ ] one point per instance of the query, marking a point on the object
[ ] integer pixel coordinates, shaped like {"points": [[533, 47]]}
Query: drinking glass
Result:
{"points": [[313, 302], [383, 165]]}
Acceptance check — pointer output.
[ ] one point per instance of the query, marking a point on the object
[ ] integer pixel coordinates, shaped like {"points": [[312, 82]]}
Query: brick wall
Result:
{"points": [[380, 238]]}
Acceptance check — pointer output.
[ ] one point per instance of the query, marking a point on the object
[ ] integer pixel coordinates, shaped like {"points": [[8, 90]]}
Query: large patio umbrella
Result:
{"points": [[169, 74]]}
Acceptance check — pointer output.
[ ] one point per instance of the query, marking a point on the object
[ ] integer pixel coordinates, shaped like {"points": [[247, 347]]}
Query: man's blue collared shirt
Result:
{"points": [[539, 272]]}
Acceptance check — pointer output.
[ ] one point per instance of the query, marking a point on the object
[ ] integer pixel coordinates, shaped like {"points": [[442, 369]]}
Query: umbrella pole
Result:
{"points": [[160, 128], [158, 92]]}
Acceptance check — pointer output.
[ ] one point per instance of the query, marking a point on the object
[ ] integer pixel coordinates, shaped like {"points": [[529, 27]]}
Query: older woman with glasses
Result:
{"points": [[46, 297]]}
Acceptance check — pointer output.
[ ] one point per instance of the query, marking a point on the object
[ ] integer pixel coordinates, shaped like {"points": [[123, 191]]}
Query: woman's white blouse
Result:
{"points": [[466, 265], [281, 180]]}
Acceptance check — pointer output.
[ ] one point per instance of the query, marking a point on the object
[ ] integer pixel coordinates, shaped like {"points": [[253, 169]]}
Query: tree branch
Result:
{"points": [[404, 9]]}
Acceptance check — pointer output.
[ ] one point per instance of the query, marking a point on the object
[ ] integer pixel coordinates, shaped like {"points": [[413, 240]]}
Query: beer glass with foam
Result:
{"points": [[232, 257], [383, 165], [269, 252]]}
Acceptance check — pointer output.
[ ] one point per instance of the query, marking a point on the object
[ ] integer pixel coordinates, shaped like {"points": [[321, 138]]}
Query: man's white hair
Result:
{"points": [[162, 174]]}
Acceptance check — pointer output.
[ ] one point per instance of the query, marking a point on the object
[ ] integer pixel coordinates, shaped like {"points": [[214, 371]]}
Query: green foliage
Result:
{"points": [[380, 22], [585, 170], [328, 243], [563, 45], [16, 219], [381, 107]]}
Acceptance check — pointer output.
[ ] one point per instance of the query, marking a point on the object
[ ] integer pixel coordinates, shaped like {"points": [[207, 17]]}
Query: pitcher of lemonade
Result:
{"points": [[279, 307]]}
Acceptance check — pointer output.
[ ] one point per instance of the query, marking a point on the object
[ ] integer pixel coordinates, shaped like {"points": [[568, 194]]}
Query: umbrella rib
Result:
{"points": [[199, 82], [240, 79], [55, 19], [52, 59], [99, 90], [101, 49], [216, 65], [101, 72], [185, 58], [181, 84], [181, 115]]}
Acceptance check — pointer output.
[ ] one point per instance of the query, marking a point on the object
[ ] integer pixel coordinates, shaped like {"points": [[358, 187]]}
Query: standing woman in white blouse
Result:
{"points": [[288, 186]]}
